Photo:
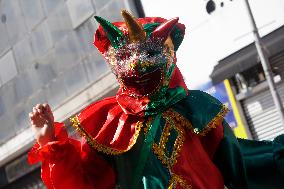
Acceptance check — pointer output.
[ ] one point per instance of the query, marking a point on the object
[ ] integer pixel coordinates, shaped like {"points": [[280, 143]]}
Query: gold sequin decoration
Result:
{"points": [[211, 125], [185, 123], [147, 124], [100, 147], [215, 121], [176, 121], [160, 149], [176, 179]]}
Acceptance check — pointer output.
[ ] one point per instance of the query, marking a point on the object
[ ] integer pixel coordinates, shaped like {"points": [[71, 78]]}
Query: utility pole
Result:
{"points": [[265, 65]]}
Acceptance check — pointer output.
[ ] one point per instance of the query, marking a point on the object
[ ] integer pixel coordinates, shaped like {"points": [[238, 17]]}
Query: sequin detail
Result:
{"points": [[211, 125], [100, 147], [147, 123], [215, 121], [172, 123], [178, 180]]}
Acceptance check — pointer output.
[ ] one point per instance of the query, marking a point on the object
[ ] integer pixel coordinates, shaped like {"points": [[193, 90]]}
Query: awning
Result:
{"points": [[247, 56]]}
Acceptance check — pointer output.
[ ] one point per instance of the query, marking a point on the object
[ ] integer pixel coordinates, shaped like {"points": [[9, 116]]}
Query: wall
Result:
{"points": [[47, 55]]}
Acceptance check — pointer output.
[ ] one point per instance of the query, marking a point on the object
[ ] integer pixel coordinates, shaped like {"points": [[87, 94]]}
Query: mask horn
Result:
{"points": [[113, 33], [164, 30], [135, 29]]}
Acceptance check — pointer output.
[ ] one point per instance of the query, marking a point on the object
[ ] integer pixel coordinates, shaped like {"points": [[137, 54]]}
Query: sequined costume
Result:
{"points": [[155, 133]]}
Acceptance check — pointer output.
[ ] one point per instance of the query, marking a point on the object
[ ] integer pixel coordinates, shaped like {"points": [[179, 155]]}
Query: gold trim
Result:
{"points": [[211, 125], [177, 179], [180, 119], [215, 121], [147, 124], [160, 149], [100, 147]]}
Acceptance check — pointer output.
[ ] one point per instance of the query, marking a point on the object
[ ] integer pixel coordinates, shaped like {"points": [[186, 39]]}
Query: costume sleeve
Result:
{"points": [[69, 163], [264, 161], [228, 158], [250, 164]]}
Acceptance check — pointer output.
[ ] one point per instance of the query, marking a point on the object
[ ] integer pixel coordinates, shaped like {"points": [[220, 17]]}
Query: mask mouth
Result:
{"points": [[145, 84]]}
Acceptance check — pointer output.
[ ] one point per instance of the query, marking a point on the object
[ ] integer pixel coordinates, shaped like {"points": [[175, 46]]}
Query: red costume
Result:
{"points": [[154, 133]]}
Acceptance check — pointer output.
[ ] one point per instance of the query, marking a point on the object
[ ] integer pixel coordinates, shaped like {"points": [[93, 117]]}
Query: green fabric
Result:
{"points": [[147, 146], [250, 164], [140, 166], [228, 159], [113, 33], [199, 107], [154, 175], [167, 99], [264, 162], [148, 28]]}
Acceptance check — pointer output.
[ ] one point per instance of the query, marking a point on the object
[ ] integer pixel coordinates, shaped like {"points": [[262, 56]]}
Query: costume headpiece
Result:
{"points": [[113, 34], [141, 53]]}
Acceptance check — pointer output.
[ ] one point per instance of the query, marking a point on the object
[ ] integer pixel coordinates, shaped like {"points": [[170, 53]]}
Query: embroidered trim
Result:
{"points": [[211, 125], [180, 119], [100, 147], [160, 149], [215, 121], [147, 124], [177, 179]]}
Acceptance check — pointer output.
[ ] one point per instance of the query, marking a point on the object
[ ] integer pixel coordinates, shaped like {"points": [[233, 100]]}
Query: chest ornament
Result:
{"points": [[171, 140]]}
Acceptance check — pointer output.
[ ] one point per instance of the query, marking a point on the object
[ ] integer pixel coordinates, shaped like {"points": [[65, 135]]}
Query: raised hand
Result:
{"points": [[42, 123]]}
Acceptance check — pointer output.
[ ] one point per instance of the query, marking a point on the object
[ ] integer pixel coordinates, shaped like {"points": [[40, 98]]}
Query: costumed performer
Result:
{"points": [[155, 133]]}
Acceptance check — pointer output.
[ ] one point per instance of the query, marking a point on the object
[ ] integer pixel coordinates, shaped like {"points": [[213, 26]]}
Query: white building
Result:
{"points": [[218, 43], [212, 37]]}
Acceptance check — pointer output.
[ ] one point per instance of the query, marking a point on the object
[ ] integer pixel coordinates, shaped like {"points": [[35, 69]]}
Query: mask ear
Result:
{"points": [[135, 30], [114, 35], [163, 31]]}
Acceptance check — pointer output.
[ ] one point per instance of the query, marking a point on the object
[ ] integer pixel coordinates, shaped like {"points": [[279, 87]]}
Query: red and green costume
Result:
{"points": [[155, 133]]}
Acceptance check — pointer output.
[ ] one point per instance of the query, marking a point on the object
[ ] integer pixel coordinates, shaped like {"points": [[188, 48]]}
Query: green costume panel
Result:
{"points": [[264, 162]]}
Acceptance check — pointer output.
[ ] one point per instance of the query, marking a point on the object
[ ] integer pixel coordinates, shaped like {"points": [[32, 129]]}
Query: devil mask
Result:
{"points": [[141, 53]]}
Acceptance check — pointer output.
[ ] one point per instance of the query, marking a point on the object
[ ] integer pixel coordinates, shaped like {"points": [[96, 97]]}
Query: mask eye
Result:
{"points": [[152, 53]]}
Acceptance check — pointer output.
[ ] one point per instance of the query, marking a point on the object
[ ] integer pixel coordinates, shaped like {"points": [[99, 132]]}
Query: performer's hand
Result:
{"points": [[42, 122]]}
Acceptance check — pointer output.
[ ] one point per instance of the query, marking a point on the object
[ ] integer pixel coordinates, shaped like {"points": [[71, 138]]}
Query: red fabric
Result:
{"points": [[177, 80], [66, 163], [37, 154], [108, 125], [211, 142], [195, 161], [131, 104]]}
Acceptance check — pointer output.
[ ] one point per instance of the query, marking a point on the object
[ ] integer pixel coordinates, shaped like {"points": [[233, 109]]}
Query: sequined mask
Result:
{"points": [[141, 67], [142, 59]]}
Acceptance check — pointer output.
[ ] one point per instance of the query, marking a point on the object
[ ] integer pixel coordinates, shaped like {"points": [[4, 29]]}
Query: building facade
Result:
{"points": [[244, 72], [219, 31], [47, 55]]}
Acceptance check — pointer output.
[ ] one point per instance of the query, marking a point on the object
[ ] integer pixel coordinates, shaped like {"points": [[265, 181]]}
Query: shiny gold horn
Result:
{"points": [[135, 29]]}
